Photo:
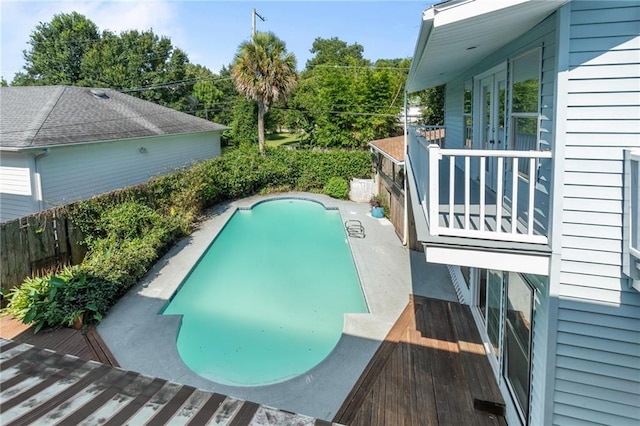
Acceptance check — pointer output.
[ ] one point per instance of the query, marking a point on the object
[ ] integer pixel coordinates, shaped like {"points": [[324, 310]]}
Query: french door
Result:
{"points": [[491, 87]]}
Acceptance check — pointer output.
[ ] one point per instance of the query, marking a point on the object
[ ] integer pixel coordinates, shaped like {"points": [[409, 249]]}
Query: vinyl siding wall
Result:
{"points": [[544, 36], [16, 186], [77, 172], [597, 375]]}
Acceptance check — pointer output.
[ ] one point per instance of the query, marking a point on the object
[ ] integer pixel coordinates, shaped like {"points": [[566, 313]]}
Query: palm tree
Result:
{"points": [[264, 72]]}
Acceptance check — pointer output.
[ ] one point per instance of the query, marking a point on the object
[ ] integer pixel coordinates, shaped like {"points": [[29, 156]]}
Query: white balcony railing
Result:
{"points": [[433, 134], [475, 194]]}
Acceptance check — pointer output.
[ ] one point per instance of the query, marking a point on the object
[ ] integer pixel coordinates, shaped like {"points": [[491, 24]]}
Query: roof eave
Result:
{"points": [[386, 155], [91, 142], [480, 28]]}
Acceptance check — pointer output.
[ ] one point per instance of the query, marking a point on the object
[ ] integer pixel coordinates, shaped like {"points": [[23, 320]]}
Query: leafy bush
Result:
{"points": [[126, 231], [59, 299], [337, 187]]}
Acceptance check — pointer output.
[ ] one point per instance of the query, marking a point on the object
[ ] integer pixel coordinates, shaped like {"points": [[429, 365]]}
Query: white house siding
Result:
{"points": [[16, 191], [453, 103], [78, 172], [543, 35], [598, 339]]}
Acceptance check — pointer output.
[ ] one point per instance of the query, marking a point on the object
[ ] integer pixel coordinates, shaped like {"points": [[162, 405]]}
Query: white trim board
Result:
{"points": [[513, 262]]}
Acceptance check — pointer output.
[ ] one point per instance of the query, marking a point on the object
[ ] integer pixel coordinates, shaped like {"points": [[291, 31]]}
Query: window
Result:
{"points": [[387, 167], [631, 246], [398, 175], [467, 114], [525, 101]]}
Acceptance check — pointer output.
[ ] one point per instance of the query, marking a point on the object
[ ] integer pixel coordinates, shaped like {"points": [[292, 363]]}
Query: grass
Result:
{"points": [[277, 139]]}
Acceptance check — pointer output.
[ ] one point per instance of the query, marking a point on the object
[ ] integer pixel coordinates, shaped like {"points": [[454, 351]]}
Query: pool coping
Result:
{"points": [[143, 340]]}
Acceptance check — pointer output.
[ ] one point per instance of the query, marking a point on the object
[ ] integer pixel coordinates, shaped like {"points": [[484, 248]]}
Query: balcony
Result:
{"points": [[469, 194]]}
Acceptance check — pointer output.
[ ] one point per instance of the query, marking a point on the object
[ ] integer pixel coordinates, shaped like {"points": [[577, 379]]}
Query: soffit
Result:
{"points": [[456, 35]]}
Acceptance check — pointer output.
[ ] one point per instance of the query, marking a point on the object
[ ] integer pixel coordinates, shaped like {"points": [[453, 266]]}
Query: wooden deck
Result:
{"points": [[430, 370], [86, 344]]}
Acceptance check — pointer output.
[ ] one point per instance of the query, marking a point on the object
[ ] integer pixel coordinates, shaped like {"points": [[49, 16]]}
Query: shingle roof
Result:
{"points": [[44, 387], [392, 147], [41, 116]]}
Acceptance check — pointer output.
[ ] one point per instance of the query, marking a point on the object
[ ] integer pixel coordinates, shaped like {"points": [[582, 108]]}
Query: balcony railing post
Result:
{"points": [[433, 206]]}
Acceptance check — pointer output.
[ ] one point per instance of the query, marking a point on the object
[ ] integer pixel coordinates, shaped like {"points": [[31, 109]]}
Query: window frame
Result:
{"points": [[523, 412], [513, 116], [467, 116], [631, 223]]}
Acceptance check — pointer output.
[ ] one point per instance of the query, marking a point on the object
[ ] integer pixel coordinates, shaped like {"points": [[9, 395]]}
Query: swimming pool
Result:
{"points": [[266, 300]]}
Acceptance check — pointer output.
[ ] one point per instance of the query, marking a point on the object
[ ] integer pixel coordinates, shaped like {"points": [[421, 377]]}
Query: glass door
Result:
{"points": [[518, 339], [494, 309], [489, 302], [493, 97]]}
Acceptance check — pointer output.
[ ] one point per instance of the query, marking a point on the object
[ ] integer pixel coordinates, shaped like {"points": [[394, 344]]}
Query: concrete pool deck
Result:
{"points": [[143, 340]]}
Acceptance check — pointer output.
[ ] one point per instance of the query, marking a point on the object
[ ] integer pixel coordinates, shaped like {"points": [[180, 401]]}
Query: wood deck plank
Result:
{"points": [[86, 344], [425, 372]]}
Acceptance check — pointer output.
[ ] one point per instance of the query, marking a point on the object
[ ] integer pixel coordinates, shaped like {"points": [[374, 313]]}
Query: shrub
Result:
{"points": [[58, 299], [337, 187]]}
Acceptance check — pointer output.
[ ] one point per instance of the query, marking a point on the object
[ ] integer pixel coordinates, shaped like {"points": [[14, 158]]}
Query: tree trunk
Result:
{"points": [[261, 112]]}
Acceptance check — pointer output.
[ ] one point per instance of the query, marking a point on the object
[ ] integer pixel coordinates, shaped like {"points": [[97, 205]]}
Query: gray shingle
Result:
{"points": [[39, 116]]}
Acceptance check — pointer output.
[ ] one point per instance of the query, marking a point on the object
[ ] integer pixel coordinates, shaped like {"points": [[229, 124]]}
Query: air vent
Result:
{"points": [[99, 93]]}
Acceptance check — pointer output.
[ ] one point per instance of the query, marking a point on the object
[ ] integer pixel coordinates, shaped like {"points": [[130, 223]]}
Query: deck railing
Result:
{"points": [[477, 209], [431, 134]]}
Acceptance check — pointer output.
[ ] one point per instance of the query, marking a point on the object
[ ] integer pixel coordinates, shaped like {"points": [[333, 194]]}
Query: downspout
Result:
{"points": [[38, 181], [404, 181]]}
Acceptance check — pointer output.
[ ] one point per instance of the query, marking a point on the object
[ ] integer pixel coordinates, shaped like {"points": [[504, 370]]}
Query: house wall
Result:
{"points": [[597, 374], [16, 186], [77, 172], [544, 36]]}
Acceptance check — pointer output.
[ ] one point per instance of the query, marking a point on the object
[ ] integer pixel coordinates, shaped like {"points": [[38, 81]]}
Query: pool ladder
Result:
{"points": [[354, 228]]}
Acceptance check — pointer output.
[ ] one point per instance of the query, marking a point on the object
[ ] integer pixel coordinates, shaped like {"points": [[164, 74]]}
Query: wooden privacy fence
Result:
{"points": [[38, 243]]}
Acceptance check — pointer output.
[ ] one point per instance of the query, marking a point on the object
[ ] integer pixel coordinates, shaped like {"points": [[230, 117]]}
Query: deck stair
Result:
{"points": [[431, 369]]}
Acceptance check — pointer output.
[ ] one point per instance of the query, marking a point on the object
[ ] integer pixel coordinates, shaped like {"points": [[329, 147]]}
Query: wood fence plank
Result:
{"points": [[60, 221], [42, 242]]}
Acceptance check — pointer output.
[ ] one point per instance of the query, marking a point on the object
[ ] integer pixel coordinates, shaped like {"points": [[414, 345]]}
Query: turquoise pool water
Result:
{"points": [[266, 301]]}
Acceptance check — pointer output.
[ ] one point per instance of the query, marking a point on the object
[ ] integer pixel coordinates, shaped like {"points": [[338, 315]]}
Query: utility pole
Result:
{"points": [[253, 22]]}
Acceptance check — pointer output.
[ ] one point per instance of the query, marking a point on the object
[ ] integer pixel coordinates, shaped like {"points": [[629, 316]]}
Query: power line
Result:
{"points": [[360, 67], [375, 114], [172, 84]]}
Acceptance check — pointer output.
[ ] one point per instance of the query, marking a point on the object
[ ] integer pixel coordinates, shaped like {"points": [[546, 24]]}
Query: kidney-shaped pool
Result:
{"points": [[266, 301]]}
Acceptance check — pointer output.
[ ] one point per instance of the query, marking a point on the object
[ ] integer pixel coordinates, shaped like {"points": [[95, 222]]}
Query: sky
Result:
{"points": [[209, 31]]}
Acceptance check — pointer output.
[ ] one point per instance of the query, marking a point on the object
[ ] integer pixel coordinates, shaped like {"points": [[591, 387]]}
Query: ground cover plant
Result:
{"points": [[128, 230]]}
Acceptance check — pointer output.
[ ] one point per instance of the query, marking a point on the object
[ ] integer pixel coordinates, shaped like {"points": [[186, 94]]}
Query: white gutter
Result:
{"points": [[38, 180]]}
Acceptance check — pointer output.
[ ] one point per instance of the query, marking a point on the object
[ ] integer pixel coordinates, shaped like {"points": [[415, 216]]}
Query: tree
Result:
{"points": [[3, 82], [344, 100], [138, 60], [264, 72], [57, 50], [432, 100], [335, 52], [244, 126]]}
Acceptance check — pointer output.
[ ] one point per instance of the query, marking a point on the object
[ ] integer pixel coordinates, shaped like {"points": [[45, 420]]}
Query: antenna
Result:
{"points": [[253, 21]]}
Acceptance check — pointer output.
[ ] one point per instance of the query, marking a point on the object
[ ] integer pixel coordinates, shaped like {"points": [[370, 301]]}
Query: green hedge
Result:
{"points": [[128, 230], [337, 188]]}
